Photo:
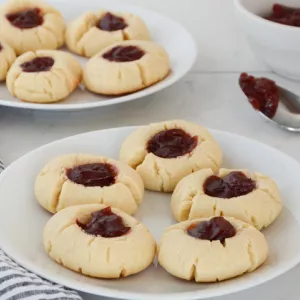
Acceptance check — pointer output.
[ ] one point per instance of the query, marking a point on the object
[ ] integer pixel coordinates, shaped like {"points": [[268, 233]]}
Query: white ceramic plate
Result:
{"points": [[22, 219], [172, 36]]}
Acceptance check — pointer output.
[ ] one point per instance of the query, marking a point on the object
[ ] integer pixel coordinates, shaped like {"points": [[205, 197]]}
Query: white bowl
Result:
{"points": [[276, 44]]}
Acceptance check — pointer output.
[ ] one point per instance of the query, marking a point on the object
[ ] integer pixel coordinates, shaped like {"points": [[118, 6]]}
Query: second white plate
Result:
{"points": [[171, 35], [22, 219]]}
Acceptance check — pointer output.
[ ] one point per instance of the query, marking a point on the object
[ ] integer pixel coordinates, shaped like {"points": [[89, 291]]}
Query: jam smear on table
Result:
{"points": [[124, 54], [285, 15], [216, 229], [110, 22], [93, 174], [105, 223], [38, 64], [262, 93], [234, 184], [171, 143], [26, 19]]}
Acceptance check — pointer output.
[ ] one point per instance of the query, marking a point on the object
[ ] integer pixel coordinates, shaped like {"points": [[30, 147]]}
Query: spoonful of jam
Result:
{"points": [[272, 101]]}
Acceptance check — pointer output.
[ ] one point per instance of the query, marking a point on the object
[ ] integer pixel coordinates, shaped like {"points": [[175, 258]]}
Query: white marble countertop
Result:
{"points": [[209, 94]]}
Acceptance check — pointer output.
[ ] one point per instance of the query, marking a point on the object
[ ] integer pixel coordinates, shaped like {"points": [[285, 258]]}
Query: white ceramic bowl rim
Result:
{"points": [[239, 5]]}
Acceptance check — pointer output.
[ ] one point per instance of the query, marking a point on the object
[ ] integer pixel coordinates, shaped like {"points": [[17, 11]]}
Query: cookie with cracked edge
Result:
{"points": [[76, 179], [126, 67], [92, 32], [259, 202], [80, 247], [44, 76], [210, 260], [31, 25], [163, 153]]}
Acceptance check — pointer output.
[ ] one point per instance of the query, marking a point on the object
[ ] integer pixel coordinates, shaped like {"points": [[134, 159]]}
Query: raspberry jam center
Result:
{"points": [[171, 143], [38, 64], [216, 229], [110, 22], [94, 174], [26, 19], [234, 184], [124, 54], [105, 223]]}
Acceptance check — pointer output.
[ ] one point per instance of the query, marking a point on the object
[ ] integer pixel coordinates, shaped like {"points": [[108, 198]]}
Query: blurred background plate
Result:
{"points": [[171, 35]]}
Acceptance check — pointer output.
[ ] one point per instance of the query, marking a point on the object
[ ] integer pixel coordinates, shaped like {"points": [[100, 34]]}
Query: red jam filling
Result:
{"points": [[105, 223], [124, 54], [216, 229], [234, 184], [38, 64], [285, 15], [1, 47], [26, 19], [94, 174], [262, 93], [171, 143], [110, 22]]}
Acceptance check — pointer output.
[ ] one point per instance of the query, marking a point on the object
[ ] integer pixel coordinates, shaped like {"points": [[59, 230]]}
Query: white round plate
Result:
{"points": [[22, 219], [172, 36]]}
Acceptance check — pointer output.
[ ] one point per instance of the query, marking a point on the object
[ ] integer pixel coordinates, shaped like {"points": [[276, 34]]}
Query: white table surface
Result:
{"points": [[209, 94]]}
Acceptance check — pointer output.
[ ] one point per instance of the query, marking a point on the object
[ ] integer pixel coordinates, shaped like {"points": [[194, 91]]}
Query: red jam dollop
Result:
{"points": [[285, 15], [26, 19], [110, 22], [105, 223], [171, 143], [94, 174], [234, 184], [38, 64], [262, 93], [124, 54], [216, 229]]}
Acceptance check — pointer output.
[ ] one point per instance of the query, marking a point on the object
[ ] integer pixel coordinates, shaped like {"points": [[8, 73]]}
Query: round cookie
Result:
{"points": [[126, 67], [211, 249], [254, 199], [92, 32], [99, 241], [30, 25], [84, 179], [7, 57], [44, 76], [163, 153]]}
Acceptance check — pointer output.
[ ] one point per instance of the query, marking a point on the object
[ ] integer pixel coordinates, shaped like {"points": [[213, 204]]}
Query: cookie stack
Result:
{"points": [[220, 211], [122, 58]]}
